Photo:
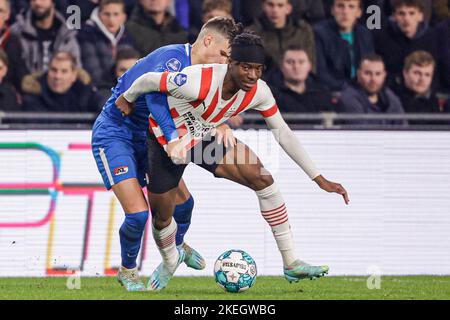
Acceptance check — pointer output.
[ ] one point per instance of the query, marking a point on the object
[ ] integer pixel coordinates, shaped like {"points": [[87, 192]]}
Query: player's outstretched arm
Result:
{"points": [[148, 82], [292, 146]]}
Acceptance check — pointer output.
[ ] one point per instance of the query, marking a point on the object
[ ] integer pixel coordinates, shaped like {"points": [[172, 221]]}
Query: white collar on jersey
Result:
{"points": [[188, 47]]}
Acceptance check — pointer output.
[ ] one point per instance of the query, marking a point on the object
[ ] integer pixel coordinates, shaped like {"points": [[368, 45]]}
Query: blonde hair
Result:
{"points": [[419, 58]]}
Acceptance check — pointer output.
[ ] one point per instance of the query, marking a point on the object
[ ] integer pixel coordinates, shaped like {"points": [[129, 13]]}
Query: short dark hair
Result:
{"points": [[4, 57], [372, 57], [127, 53], [104, 3], [289, 1], [419, 4], [224, 26], [295, 47], [247, 37], [360, 2]]}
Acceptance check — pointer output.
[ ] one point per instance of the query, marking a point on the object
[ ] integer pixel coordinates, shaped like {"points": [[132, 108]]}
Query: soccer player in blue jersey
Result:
{"points": [[120, 149]]}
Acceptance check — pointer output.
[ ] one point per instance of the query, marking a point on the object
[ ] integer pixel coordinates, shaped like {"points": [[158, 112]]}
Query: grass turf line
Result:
{"points": [[204, 288]]}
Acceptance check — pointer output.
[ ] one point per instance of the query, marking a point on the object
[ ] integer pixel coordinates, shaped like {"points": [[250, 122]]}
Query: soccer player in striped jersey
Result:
{"points": [[201, 98], [120, 149]]}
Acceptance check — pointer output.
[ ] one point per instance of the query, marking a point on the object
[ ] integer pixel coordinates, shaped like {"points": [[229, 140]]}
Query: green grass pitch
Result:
{"points": [[204, 288]]}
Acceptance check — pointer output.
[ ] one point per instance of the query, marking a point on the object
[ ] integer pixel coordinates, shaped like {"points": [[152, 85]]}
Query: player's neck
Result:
{"points": [[229, 88], [195, 56]]}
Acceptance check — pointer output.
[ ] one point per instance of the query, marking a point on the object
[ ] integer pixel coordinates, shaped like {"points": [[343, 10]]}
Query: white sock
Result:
{"points": [[165, 241], [274, 212]]}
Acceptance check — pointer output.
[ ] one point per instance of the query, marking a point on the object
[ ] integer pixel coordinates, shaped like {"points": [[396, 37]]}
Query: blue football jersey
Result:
{"points": [[171, 58]]}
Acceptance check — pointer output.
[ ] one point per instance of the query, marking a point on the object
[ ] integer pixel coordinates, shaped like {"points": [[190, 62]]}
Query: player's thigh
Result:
{"points": [[117, 164], [243, 166], [130, 195]]}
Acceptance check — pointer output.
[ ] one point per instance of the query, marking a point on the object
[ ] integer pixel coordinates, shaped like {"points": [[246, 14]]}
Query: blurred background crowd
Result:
{"points": [[321, 54]]}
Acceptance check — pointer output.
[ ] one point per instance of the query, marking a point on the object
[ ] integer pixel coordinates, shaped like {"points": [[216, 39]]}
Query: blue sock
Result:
{"points": [[131, 237], [182, 215]]}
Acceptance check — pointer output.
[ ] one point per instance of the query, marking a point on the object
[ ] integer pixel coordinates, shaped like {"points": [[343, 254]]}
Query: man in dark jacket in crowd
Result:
{"points": [[102, 36], [279, 30], [8, 96], [60, 89], [340, 44], [416, 91], [43, 31], [12, 46], [151, 26], [406, 32], [295, 88], [368, 94]]}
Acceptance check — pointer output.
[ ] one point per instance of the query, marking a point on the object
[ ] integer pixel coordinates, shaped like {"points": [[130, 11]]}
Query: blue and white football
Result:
{"points": [[235, 271]]}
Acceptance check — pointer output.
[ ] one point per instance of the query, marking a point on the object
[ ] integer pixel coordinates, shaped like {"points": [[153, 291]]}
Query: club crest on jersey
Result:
{"points": [[120, 170], [180, 79], [173, 65]]}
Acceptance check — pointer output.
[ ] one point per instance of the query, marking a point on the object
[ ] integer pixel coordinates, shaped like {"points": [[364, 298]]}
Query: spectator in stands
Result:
{"points": [[102, 36], [210, 9], [368, 94], [216, 8], [415, 91], [151, 26], [8, 96], [443, 34], [340, 44], [12, 46], [279, 30], [295, 88], [64, 88], [406, 32], [310, 10], [125, 59], [43, 31]]}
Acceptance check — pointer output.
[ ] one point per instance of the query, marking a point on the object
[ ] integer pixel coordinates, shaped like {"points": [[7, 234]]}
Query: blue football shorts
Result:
{"points": [[119, 152]]}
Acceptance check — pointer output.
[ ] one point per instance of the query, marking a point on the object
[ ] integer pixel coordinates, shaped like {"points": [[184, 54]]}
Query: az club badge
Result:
{"points": [[120, 170]]}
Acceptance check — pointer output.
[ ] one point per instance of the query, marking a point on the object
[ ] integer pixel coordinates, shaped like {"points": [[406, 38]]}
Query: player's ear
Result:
{"points": [[207, 40]]}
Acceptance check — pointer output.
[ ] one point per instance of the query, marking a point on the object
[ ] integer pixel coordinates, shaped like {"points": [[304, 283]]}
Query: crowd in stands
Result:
{"points": [[320, 54]]}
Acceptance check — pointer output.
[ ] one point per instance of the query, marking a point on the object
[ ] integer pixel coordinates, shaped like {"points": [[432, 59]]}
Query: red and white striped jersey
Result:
{"points": [[196, 105]]}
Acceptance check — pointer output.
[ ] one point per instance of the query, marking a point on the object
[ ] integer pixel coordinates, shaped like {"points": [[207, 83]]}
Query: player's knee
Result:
{"points": [[259, 178]]}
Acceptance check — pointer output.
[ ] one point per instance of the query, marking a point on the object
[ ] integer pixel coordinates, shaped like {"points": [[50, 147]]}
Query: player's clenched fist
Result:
{"points": [[177, 152], [124, 106]]}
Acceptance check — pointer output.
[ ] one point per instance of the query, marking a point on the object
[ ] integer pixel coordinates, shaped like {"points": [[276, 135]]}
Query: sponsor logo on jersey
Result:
{"points": [[197, 128], [180, 79], [173, 65], [120, 170]]}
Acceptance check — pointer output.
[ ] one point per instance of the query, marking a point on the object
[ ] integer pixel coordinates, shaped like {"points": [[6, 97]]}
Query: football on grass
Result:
{"points": [[235, 271]]}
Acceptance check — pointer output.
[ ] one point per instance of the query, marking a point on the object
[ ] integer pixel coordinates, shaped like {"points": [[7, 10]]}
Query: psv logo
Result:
{"points": [[120, 170]]}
